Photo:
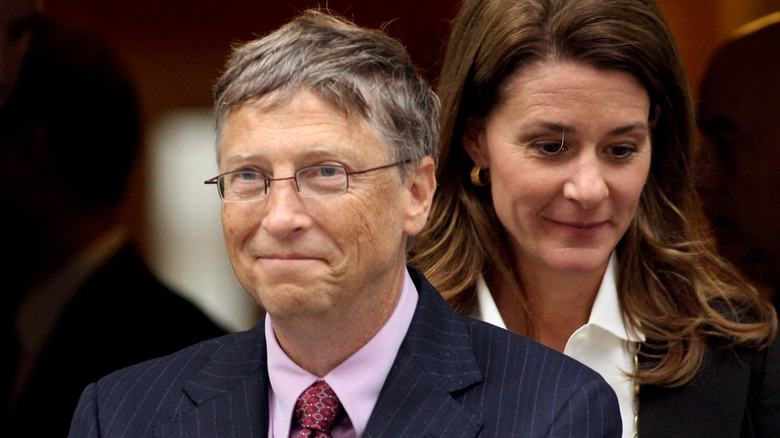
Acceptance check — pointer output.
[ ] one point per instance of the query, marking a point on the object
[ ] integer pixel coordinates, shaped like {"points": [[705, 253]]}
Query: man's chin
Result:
{"points": [[295, 301], [279, 272]]}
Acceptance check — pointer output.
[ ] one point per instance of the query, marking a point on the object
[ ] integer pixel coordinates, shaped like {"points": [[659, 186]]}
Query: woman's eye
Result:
{"points": [[622, 151], [549, 147]]}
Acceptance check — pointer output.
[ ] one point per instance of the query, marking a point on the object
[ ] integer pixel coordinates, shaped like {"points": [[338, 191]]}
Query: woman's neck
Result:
{"points": [[558, 304]]}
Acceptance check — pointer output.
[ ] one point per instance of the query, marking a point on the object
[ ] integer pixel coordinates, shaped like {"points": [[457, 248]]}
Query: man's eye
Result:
{"points": [[249, 176], [20, 27], [328, 171], [320, 172]]}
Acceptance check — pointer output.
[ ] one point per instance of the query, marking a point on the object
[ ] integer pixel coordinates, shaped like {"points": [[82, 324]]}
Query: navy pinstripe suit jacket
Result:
{"points": [[453, 377]]}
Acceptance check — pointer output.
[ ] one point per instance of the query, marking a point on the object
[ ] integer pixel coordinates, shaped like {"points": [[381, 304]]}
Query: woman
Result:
{"points": [[566, 212]]}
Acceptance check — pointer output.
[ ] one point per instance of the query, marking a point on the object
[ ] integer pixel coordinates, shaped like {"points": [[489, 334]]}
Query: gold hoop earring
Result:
{"points": [[479, 176]]}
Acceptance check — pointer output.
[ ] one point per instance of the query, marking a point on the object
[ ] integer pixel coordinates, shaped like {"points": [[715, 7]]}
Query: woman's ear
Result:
{"points": [[474, 141]]}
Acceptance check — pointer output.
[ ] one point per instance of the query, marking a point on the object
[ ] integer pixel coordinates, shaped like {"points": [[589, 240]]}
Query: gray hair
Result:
{"points": [[357, 70]]}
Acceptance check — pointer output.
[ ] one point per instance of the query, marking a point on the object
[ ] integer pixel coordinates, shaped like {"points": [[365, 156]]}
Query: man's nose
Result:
{"points": [[284, 211], [709, 168]]}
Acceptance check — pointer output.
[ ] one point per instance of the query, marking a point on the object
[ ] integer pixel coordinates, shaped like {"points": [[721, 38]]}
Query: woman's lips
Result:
{"points": [[579, 227]]}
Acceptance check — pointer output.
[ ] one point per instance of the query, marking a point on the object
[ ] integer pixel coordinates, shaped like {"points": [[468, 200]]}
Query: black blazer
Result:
{"points": [[736, 394], [453, 377]]}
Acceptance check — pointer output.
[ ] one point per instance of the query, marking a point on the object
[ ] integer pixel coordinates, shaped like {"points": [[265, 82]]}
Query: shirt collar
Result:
{"points": [[357, 381], [605, 312], [486, 308]]}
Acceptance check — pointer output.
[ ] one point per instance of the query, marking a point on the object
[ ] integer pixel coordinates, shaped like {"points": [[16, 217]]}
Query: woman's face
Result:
{"points": [[568, 151]]}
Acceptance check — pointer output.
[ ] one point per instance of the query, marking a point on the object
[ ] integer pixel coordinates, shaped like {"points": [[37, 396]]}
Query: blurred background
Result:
{"points": [[174, 51]]}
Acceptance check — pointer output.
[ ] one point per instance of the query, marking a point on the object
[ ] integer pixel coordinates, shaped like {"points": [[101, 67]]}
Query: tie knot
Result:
{"points": [[317, 410]]}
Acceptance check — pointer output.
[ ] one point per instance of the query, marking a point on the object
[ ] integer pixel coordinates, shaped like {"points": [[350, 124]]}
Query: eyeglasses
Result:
{"points": [[311, 182]]}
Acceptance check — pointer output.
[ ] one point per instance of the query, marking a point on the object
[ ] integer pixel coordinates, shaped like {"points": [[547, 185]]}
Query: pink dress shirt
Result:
{"points": [[357, 381]]}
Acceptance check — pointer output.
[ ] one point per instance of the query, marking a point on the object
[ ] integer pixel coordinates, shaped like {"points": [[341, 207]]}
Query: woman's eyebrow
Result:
{"points": [[628, 128]]}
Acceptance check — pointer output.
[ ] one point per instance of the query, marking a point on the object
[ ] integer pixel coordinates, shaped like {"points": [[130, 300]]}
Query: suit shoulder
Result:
{"points": [[147, 394], [186, 358], [178, 366], [522, 355], [523, 379]]}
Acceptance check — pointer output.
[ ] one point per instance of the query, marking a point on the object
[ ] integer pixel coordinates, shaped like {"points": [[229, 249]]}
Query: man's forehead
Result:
{"points": [[302, 111], [287, 97], [742, 79], [303, 127]]}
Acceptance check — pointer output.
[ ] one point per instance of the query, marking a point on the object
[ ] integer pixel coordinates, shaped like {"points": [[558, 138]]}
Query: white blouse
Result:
{"points": [[605, 344]]}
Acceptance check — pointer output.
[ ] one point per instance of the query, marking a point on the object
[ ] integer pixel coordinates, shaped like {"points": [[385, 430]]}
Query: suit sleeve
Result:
{"points": [[85, 419], [591, 411]]}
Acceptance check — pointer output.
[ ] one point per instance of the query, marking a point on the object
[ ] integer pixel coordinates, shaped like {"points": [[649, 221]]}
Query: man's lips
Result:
{"points": [[287, 258], [290, 257]]}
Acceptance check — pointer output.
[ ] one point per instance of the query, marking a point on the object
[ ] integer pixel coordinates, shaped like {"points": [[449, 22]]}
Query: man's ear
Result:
{"points": [[474, 141], [421, 184], [654, 115]]}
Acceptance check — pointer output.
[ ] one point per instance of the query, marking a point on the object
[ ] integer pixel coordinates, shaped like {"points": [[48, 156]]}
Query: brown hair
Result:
{"points": [[671, 282]]}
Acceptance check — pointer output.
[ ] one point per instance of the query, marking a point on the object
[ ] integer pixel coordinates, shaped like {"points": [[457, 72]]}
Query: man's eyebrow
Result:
{"points": [[240, 157], [313, 153]]}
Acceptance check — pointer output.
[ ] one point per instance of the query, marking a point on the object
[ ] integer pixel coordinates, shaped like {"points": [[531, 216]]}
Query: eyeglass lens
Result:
{"points": [[310, 181]]}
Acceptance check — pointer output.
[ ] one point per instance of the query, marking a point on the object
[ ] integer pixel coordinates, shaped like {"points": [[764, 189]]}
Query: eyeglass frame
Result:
{"points": [[267, 180]]}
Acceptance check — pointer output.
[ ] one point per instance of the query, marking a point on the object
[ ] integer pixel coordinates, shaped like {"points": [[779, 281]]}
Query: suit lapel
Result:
{"points": [[230, 393], [434, 362]]}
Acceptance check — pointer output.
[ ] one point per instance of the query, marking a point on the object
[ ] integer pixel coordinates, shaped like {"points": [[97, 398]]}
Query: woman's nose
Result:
{"points": [[586, 185]]}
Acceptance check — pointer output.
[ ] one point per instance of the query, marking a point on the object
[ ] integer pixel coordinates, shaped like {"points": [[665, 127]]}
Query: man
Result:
{"points": [[16, 17], [326, 136], [739, 115], [73, 280]]}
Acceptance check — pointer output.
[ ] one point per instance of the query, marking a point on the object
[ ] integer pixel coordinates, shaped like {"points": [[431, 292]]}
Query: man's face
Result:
{"points": [[310, 255], [740, 169], [740, 176], [15, 19]]}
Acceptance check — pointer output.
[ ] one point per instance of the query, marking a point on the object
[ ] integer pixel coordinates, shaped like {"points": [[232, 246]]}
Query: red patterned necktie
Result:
{"points": [[317, 410]]}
